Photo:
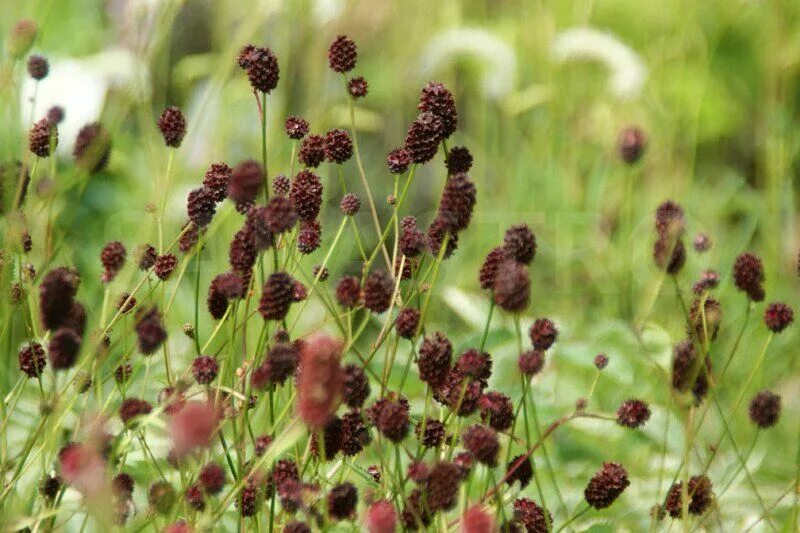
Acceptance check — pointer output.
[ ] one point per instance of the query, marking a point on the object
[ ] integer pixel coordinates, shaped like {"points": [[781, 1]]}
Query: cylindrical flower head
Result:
{"points": [[205, 369], [435, 356], [543, 333], [457, 203], [534, 518], [342, 501], [306, 193], [519, 243], [669, 254], [475, 364], [407, 322], [512, 287], [356, 386], [748, 276], [606, 485], [778, 316], [63, 348], [342, 54], [277, 296], [701, 496], [245, 182], [320, 383], [490, 266], [172, 125], [633, 413], [412, 240], [212, 478], [165, 266], [133, 407], [56, 295], [482, 443], [43, 138], [201, 206], [442, 486], [765, 409], [423, 137], [150, 331], [348, 291], [519, 469], [631, 144], [113, 259], [309, 237], [31, 359], [670, 220], [496, 410], [437, 232], [391, 418], [338, 146], [216, 180], [378, 291], [262, 68], [398, 160], [242, 252], [437, 99], [92, 148], [312, 151]]}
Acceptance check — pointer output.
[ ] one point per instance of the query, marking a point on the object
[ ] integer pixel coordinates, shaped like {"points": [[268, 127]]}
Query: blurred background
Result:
{"points": [[543, 89]]}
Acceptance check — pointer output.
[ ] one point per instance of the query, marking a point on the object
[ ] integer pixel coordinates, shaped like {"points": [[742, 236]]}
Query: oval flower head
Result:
{"points": [[193, 426], [320, 382]]}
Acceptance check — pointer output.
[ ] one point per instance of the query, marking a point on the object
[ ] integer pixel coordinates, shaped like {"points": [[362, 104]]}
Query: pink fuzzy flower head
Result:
{"points": [[320, 383], [477, 520], [193, 426], [381, 517], [83, 468]]}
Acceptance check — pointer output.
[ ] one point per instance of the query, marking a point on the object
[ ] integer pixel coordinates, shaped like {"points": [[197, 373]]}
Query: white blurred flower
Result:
{"points": [[626, 68], [79, 86], [500, 73]]}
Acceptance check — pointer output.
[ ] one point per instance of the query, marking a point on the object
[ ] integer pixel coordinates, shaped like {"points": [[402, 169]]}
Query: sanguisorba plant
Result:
{"points": [[273, 429]]}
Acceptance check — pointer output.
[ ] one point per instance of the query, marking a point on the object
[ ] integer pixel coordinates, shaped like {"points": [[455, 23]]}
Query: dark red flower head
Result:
{"points": [[348, 291], [321, 380], [670, 220], [295, 127], [631, 145], [778, 316], [606, 485], [423, 137], [212, 478], [309, 237], [378, 291], [433, 434], [534, 518], [381, 517], [519, 243], [490, 266], [391, 417], [38, 67], [43, 138], [407, 322], [437, 232], [277, 296], [306, 193], [146, 256], [512, 287], [475, 364], [357, 87], [342, 501], [669, 254], [165, 266], [459, 159], [435, 356], [172, 125], [133, 407], [543, 333], [205, 369], [92, 148], [748, 276], [519, 469], [478, 519], [496, 410], [437, 99], [216, 180], [350, 204], [457, 203], [56, 296], [701, 496], [150, 330], [442, 486], [482, 443], [342, 54], [262, 67], [412, 240], [201, 206], [398, 160], [633, 413], [55, 115], [765, 409], [245, 182], [600, 361], [31, 359], [63, 348], [113, 259], [312, 151], [338, 146], [356, 386]]}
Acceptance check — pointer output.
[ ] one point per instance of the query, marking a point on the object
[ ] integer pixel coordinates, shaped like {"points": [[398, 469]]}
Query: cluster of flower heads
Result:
{"points": [[332, 396]]}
